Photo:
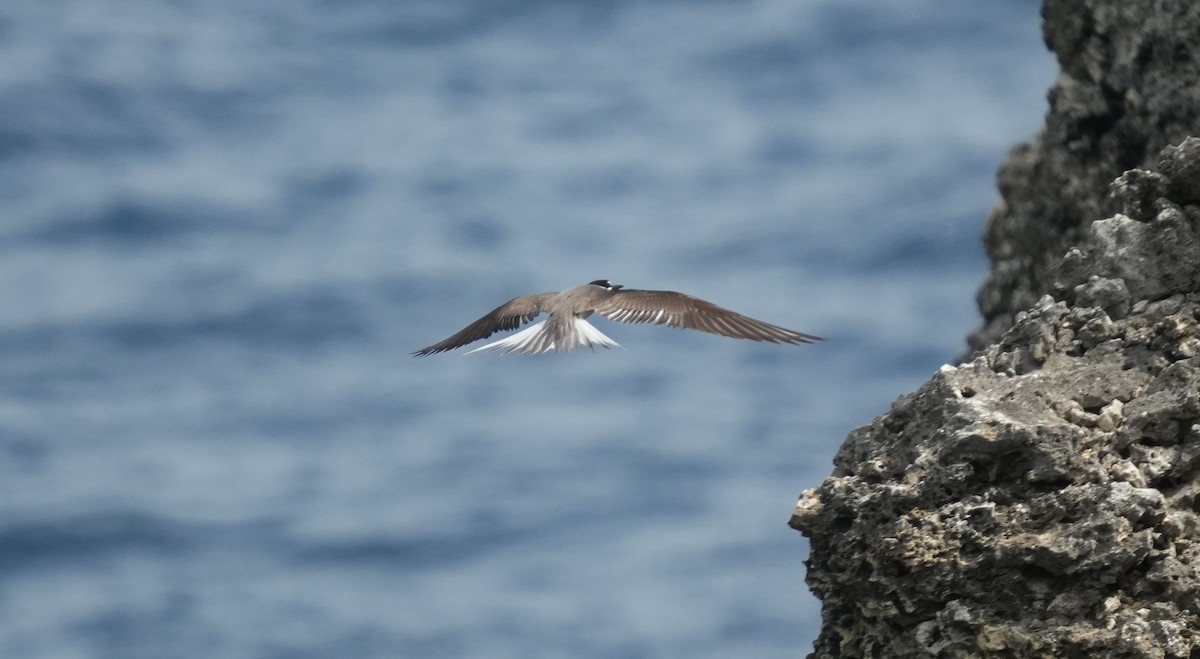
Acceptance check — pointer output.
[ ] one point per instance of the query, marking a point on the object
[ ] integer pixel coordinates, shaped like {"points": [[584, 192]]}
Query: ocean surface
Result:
{"points": [[226, 225]]}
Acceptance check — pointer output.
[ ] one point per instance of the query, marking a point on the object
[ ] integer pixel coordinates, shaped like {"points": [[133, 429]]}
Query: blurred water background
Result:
{"points": [[226, 225]]}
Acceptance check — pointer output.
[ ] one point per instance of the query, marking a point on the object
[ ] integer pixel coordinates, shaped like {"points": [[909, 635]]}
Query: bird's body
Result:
{"points": [[567, 328]]}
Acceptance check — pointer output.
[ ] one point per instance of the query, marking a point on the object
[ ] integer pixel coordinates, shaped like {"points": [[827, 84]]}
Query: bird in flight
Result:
{"points": [[567, 328]]}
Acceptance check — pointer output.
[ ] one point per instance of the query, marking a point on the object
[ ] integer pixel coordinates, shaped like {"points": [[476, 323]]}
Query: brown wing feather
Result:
{"points": [[510, 315], [688, 312]]}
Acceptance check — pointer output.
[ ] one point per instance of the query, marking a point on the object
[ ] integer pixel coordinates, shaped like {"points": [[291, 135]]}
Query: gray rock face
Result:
{"points": [[1042, 500], [1129, 85]]}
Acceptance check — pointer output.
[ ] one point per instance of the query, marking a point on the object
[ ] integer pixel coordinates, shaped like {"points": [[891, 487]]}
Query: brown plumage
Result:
{"points": [[687, 312], [567, 327], [508, 316]]}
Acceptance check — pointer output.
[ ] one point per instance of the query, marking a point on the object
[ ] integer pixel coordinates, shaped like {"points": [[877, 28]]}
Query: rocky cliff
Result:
{"points": [[1129, 85], [1043, 499]]}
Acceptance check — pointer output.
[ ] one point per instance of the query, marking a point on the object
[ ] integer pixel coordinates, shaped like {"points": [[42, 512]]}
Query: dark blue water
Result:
{"points": [[226, 225]]}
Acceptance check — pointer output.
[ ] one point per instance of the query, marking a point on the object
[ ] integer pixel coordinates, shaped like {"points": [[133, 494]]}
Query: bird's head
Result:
{"points": [[604, 283]]}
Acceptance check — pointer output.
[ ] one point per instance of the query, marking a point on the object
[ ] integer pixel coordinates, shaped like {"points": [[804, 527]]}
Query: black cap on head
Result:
{"points": [[604, 283]]}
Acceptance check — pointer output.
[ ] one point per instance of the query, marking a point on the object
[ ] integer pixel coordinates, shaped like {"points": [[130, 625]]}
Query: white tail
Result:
{"points": [[537, 339]]}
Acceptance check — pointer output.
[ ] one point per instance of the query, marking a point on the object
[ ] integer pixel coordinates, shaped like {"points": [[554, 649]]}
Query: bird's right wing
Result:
{"points": [[688, 312], [510, 315]]}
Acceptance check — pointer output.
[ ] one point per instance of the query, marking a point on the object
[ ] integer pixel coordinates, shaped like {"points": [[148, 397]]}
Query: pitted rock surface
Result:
{"points": [[1042, 499]]}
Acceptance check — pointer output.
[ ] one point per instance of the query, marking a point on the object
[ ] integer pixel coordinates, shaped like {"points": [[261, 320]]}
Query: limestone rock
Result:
{"points": [[1127, 88], [1041, 500]]}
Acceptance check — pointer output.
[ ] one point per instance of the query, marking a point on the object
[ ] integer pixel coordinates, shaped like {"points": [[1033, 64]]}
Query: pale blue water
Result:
{"points": [[226, 225]]}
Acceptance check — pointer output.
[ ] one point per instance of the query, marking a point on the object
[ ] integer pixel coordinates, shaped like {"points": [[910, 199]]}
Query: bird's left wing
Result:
{"points": [[510, 315]]}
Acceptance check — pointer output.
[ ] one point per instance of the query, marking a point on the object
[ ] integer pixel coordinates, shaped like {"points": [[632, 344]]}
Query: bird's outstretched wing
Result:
{"points": [[510, 315], [687, 312]]}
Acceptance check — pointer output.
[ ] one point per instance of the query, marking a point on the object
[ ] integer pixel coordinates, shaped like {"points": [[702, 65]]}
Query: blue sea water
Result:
{"points": [[227, 224]]}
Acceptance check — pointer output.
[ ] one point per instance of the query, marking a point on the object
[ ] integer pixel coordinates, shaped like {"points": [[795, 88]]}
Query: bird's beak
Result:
{"points": [[616, 287]]}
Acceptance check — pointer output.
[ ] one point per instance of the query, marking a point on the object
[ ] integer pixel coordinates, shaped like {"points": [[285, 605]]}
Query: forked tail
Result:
{"points": [[552, 334]]}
